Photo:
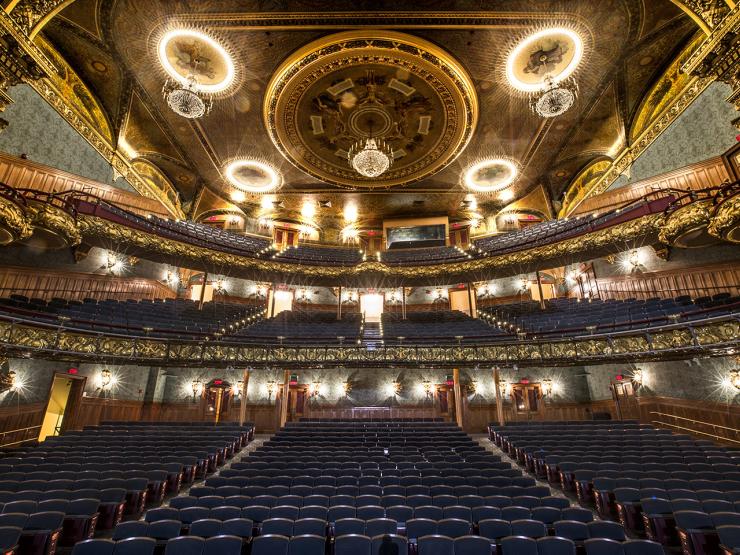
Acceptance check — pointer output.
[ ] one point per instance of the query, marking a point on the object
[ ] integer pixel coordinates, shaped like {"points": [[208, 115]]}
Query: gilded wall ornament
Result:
{"points": [[370, 84], [686, 227], [725, 221]]}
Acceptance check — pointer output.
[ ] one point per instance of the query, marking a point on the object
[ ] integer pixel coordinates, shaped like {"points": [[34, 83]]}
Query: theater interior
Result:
{"points": [[369, 278]]}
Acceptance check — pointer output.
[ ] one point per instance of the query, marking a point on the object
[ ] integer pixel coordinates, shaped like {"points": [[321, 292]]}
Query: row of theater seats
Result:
{"points": [[179, 318], [433, 326], [64, 489], [568, 316], [425, 486], [669, 487], [303, 326]]}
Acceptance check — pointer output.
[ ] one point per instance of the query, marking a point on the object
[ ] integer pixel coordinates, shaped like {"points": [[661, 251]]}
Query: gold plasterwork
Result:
{"points": [[97, 230], [686, 219], [635, 346], [14, 219], [363, 83], [672, 94], [32, 15], [726, 219], [56, 221]]}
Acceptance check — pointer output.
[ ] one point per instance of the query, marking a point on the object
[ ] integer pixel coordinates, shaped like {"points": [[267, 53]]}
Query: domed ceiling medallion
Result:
{"points": [[382, 85]]}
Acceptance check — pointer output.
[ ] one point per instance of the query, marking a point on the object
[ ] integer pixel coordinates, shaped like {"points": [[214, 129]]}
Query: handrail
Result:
{"points": [[691, 430], [736, 430], [27, 429]]}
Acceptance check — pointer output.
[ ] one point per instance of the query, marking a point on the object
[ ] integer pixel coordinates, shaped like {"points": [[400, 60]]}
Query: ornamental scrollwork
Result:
{"points": [[683, 220], [15, 219], [55, 220], [726, 219]]}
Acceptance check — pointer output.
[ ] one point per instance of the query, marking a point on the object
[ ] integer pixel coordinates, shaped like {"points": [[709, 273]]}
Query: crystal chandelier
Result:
{"points": [[185, 99], [370, 157], [555, 99]]}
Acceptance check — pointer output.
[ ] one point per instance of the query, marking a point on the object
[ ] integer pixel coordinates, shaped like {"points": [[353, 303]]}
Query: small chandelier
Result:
{"points": [[185, 100], [555, 99], [370, 157]]}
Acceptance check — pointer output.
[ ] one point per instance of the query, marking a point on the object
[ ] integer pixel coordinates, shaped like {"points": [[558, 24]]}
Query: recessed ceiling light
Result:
{"points": [[183, 69], [253, 176], [491, 175], [529, 67]]}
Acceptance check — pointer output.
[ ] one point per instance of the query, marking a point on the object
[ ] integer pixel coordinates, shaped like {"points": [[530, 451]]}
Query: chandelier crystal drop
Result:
{"points": [[185, 99], [370, 157], [555, 99]]}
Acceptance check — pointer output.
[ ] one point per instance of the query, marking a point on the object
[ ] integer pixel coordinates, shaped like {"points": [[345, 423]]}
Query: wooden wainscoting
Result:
{"points": [[46, 284], [15, 419], [697, 281], [709, 418], [709, 173]]}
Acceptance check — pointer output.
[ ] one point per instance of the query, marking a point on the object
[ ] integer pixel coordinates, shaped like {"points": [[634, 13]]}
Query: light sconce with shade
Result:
{"points": [[271, 388], [346, 387], [427, 387], [237, 389], [733, 380], [547, 387], [11, 382], [315, 388], [505, 387], [196, 387], [473, 387], [105, 379], [638, 377]]}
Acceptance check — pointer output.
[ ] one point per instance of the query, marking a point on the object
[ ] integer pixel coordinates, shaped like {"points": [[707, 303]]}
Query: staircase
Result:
{"points": [[372, 335]]}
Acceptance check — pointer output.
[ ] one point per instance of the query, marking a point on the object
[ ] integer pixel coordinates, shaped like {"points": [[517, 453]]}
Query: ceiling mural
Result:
{"points": [[453, 96]]}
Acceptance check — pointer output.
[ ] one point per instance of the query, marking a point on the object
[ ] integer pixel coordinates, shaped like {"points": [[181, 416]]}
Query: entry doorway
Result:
{"points": [[65, 396], [625, 400], [527, 400], [371, 306]]}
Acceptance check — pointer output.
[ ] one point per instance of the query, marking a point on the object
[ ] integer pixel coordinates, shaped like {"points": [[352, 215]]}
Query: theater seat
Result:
{"points": [[270, 545], [135, 546], [185, 545], [385, 544], [470, 545], [307, 544], [729, 539], [94, 547], [696, 533], [9, 536], [41, 533], [436, 545]]}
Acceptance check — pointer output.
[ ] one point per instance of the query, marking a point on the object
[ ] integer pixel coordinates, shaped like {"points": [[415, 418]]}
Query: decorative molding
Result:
{"points": [[98, 231], [710, 338]]}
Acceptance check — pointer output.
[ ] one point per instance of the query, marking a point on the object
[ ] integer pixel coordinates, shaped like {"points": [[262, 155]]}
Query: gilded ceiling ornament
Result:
{"points": [[28, 13], [362, 85]]}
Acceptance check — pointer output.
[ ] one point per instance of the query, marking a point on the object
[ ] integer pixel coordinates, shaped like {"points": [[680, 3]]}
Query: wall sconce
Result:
{"points": [[11, 382], [505, 387], [197, 387], [314, 388], [473, 387], [637, 377], [105, 379], [735, 378], [524, 284], [547, 387], [347, 387], [427, 385], [271, 388], [237, 388], [396, 388]]}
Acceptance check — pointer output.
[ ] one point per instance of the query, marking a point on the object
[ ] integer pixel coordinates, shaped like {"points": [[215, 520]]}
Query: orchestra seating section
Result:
{"points": [[673, 489], [438, 326], [179, 318], [204, 235], [569, 316], [358, 487], [63, 490]]}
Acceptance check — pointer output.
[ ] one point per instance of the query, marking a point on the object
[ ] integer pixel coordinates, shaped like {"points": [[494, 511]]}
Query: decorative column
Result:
{"points": [[284, 398], [243, 405], [458, 396], [539, 288], [499, 398]]}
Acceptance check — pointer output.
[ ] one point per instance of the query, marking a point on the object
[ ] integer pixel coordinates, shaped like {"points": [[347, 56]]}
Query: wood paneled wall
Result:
{"points": [[78, 285], [695, 281], [19, 417], [25, 174], [709, 173], [710, 418]]}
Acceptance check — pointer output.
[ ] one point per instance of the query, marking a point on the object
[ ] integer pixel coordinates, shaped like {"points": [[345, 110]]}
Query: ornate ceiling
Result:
{"points": [[434, 80]]}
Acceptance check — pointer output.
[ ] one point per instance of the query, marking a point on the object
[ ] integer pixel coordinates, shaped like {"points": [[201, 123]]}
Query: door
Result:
{"points": [[63, 405], [625, 400], [297, 397], [526, 400], [445, 401]]}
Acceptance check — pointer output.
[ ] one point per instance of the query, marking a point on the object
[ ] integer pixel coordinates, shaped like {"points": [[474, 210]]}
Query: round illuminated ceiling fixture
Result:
{"points": [[490, 176], [544, 59], [253, 176], [194, 59]]}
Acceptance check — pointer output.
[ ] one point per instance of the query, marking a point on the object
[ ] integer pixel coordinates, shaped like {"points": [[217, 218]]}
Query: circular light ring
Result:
{"points": [[173, 72], [273, 183], [469, 178], [563, 74]]}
